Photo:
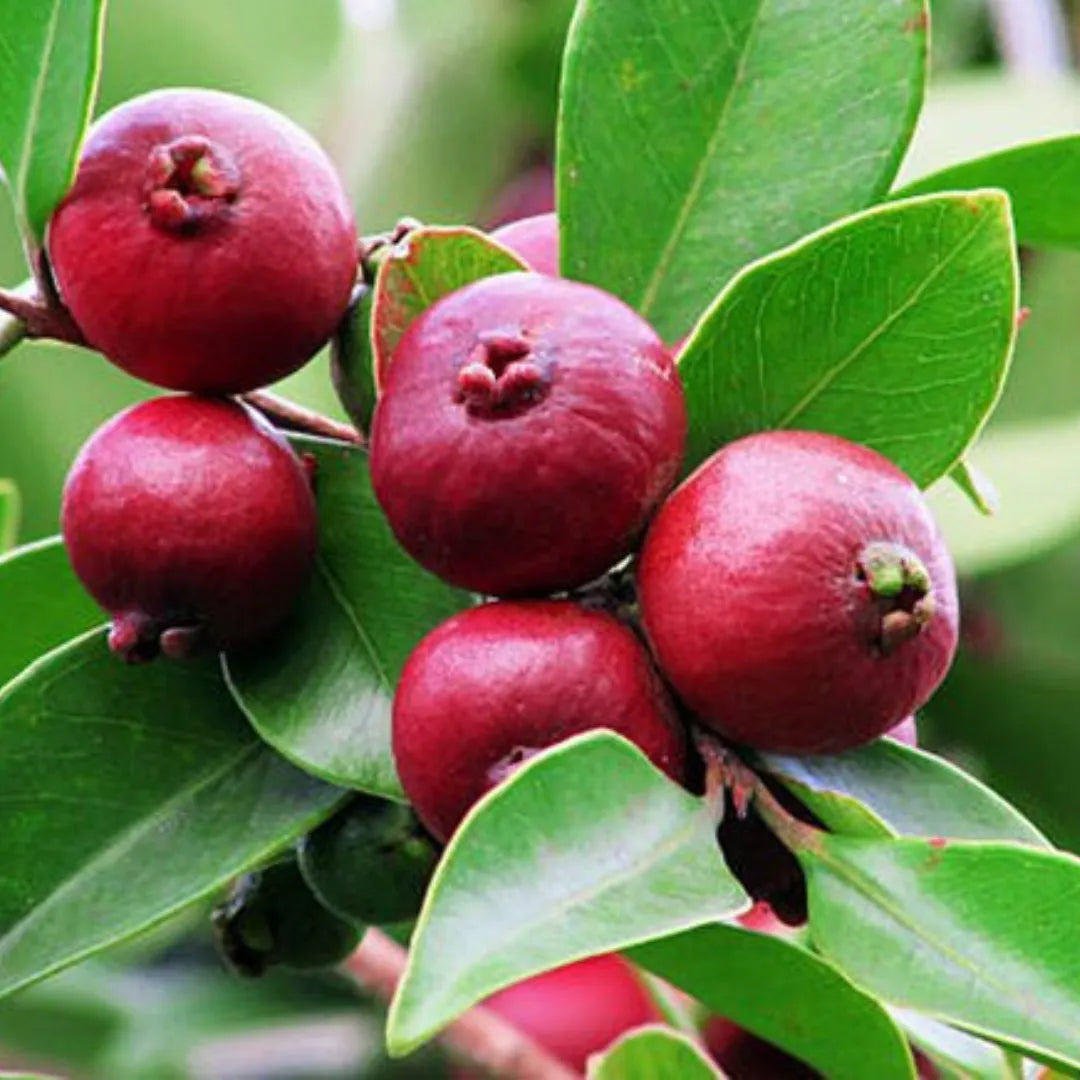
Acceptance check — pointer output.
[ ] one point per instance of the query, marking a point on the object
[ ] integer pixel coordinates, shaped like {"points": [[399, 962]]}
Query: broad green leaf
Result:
{"points": [[1043, 182], [892, 328], [352, 365], [51, 57], [786, 995], [10, 509], [427, 265], [885, 788], [367, 606], [695, 140], [586, 849], [653, 1053], [130, 793], [44, 605], [957, 1055], [976, 934]]}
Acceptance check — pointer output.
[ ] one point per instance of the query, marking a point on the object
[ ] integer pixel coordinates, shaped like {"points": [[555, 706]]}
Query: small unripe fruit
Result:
{"points": [[798, 594], [495, 684], [527, 429], [207, 243], [192, 522], [534, 240]]}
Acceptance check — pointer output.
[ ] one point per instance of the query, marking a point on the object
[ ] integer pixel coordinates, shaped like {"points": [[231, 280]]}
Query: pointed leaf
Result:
{"points": [[963, 1056], [893, 328], [653, 1053], [977, 486], [367, 606], [976, 934], [129, 793], [786, 995], [586, 849], [690, 145], [52, 54]]}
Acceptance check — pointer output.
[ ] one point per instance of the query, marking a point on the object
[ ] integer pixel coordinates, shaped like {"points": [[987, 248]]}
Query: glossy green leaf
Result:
{"points": [[367, 606], [957, 1055], [980, 490], [427, 265], [52, 54], [694, 141], [977, 934], [10, 508], [653, 1053], [352, 364], [43, 603], [586, 849], [786, 995], [893, 328], [130, 793], [886, 788]]}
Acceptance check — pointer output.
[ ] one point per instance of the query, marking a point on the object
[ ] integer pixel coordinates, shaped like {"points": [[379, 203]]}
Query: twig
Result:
{"points": [[293, 417], [1032, 36], [40, 318], [480, 1036]]}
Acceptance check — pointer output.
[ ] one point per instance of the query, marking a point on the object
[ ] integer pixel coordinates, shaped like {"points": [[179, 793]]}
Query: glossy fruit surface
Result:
{"points": [[798, 594], [534, 239], [527, 429], [494, 684], [206, 244], [192, 522]]}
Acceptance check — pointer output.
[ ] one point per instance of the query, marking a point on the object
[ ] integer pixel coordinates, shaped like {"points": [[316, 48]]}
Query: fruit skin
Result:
{"points": [[192, 522], [782, 589], [527, 429], [370, 863], [494, 684], [535, 240], [218, 292]]}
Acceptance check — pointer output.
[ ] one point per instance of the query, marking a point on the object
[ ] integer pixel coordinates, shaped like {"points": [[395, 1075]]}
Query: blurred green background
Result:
{"points": [[444, 110]]}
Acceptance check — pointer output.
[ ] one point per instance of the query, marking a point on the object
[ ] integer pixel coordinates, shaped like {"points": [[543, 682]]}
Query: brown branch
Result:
{"points": [[40, 318], [480, 1036], [293, 417]]}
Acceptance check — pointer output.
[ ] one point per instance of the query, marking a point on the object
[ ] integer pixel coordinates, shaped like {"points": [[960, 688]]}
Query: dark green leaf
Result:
{"points": [[653, 1053], [352, 365], [893, 328], [886, 788], [977, 934], [427, 265], [10, 507], [368, 605], [786, 995], [52, 54], [130, 793], [694, 141], [586, 849]]}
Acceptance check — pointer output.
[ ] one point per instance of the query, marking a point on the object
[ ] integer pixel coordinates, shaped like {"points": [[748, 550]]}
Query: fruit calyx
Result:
{"points": [[136, 638], [189, 182], [500, 377], [900, 591]]}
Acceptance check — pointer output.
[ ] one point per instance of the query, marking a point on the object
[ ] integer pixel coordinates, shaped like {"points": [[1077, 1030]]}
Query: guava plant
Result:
{"points": [[586, 637]]}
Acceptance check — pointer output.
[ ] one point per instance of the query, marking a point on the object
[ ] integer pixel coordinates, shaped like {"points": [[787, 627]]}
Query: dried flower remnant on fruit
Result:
{"points": [[901, 602], [189, 182]]}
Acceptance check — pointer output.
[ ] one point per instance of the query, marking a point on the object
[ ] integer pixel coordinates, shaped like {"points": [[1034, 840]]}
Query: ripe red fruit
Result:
{"points": [[495, 684], [798, 594], [527, 429], [206, 244], [535, 240], [192, 523]]}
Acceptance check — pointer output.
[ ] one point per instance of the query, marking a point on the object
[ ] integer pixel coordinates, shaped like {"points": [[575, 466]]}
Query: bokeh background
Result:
{"points": [[444, 110]]}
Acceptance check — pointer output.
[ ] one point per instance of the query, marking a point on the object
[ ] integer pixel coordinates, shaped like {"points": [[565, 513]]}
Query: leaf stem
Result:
{"points": [[293, 417], [480, 1036]]}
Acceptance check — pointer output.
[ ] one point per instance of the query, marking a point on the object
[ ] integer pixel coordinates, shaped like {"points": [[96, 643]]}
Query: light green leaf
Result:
{"points": [[977, 486], [10, 510], [653, 1053], [694, 140], [586, 849], [957, 1055], [893, 328]]}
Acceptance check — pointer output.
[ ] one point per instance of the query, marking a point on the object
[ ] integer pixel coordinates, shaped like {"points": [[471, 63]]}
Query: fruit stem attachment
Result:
{"points": [[480, 1036], [900, 588], [34, 317], [293, 417]]}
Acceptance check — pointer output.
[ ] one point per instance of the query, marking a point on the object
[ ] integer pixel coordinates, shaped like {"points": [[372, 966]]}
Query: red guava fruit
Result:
{"points": [[207, 243], [192, 522], [798, 595], [535, 240], [495, 684], [527, 429]]}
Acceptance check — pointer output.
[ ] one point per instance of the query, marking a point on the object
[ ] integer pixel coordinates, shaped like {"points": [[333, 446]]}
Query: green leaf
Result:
{"points": [[130, 793], [427, 265], [352, 364], [693, 143], [586, 849], [786, 995], [653, 1053], [976, 934], [1043, 182], [981, 491], [52, 55], [10, 510], [885, 788], [957, 1055], [44, 605], [367, 606], [892, 328]]}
